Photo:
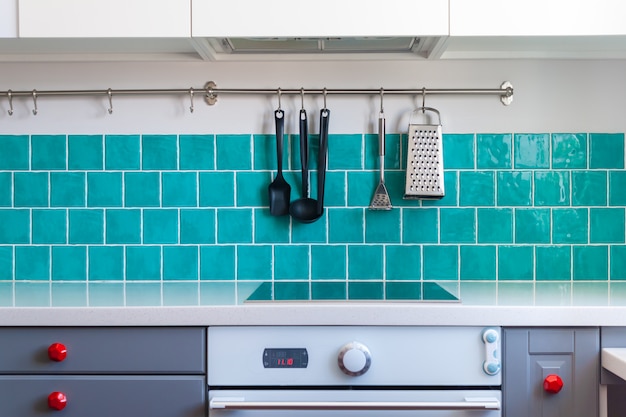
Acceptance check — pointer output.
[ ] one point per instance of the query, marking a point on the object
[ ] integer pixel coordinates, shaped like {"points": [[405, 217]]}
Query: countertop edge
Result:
{"points": [[400, 314]]}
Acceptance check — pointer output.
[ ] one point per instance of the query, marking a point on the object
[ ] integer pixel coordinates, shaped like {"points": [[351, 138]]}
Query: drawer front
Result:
{"points": [[109, 350], [156, 396]]}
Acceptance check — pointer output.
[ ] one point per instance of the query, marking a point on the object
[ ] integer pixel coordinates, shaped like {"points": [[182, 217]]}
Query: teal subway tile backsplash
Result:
{"points": [[150, 220]]}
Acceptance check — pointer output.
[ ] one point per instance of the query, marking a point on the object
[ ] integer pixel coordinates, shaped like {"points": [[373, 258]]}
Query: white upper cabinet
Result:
{"points": [[104, 18], [537, 17], [8, 18]]}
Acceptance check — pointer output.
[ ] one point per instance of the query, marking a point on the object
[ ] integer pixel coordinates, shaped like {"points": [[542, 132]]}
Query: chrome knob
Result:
{"points": [[354, 359]]}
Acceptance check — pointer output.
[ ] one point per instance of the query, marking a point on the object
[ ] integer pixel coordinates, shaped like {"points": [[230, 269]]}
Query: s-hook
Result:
{"points": [[324, 92], [279, 92], [191, 99], [302, 98], [382, 93], [35, 103], [10, 96], [423, 99], [110, 94]]}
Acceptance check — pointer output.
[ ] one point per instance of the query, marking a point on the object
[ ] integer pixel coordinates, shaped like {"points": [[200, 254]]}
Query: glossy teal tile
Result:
{"points": [[197, 152], [31, 189], [14, 152], [420, 225], [514, 188], [105, 294], [458, 151], [365, 262], [617, 188], [553, 293], [123, 226], [234, 226], [403, 291], [457, 225], [291, 262], [69, 263], [532, 225], [144, 294], [180, 293], [329, 290], [403, 262], [606, 150], [291, 291], [69, 294], [233, 152], [49, 226], [552, 188], [254, 262], [441, 262], [553, 263], [32, 294], [217, 293], [14, 226], [569, 150], [6, 189], [104, 189], [217, 189], [106, 263], [6, 263], [48, 152], [493, 151], [252, 189], [345, 225], [180, 189], [515, 263], [570, 226], [180, 262], [606, 225], [67, 189], [495, 225], [366, 291], [590, 293], [142, 189], [143, 263], [347, 152], [197, 226], [531, 151], [516, 293], [478, 263], [591, 263], [361, 186], [321, 268], [382, 226], [32, 263], [618, 262], [334, 192], [85, 152], [121, 152], [217, 262], [265, 153], [315, 232], [160, 226], [589, 188], [159, 152], [270, 229], [451, 197], [86, 226], [6, 294], [477, 188]]}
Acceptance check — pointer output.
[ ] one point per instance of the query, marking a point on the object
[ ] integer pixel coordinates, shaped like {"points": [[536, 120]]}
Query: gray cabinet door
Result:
{"points": [[530, 355], [104, 396], [106, 350]]}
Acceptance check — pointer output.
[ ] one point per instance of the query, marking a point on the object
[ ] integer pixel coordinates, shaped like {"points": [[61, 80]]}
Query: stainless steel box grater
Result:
{"points": [[424, 163]]}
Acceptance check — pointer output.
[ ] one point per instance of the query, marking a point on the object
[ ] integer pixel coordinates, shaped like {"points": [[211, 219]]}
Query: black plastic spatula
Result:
{"points": [[279, 190]]}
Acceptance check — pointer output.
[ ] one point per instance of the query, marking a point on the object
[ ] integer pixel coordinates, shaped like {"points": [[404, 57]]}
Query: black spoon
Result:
{"points": [[279, 190]]}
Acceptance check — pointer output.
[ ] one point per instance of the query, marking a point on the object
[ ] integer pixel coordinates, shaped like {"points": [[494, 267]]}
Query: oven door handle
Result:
{"points": [[230, 403]]}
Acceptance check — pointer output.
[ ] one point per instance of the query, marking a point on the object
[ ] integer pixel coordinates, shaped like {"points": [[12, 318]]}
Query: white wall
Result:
{"points": [[550, 96]]}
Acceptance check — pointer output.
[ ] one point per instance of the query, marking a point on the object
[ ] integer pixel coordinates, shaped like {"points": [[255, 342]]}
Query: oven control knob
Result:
{"points": [[354, 359], [57, 352], [57, 400], [552, 384]]}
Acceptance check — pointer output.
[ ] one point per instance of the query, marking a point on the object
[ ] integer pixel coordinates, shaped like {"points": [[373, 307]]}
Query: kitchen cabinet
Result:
{"points": [[613, 387], [104, 19], [103, 372], [8, 19], [551, 372]]}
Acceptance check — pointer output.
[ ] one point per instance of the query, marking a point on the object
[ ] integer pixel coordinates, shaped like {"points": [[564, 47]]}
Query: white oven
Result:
{"points": [[368, 371]]}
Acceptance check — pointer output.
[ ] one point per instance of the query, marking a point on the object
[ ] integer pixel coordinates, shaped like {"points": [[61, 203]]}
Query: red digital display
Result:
{"points": [[285, 358]]}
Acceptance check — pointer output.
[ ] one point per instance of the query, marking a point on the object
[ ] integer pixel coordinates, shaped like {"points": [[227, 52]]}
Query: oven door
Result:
{"points": [[354, 402]]}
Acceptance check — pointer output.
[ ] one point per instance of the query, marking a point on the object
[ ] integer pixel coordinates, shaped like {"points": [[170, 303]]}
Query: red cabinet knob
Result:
{"points": [[57, 400], [57, 352], [552, 384]]}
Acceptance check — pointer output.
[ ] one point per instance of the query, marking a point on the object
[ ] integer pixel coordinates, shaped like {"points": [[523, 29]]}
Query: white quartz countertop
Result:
{"points": [[318, 313]]}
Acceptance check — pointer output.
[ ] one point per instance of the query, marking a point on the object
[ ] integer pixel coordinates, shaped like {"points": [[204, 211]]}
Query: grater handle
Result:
{"points": [[381, 144], [424, 109]]}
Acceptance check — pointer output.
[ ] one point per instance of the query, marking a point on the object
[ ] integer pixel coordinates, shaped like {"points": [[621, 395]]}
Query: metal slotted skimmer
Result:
{"points": [[424, 164]]}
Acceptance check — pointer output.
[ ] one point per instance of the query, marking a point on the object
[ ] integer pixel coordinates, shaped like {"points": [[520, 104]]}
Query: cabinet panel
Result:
{"points": [[104, 19], [8, 18], [536, 17], [146, 350], [180, 396]]}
